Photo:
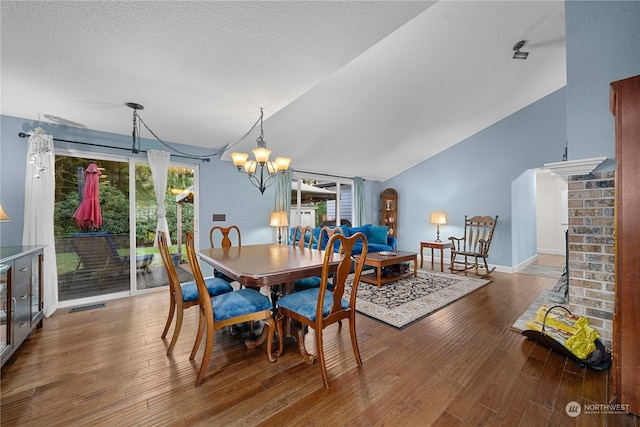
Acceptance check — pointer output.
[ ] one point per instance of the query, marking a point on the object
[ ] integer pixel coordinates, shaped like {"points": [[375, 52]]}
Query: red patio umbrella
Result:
{"points": [[88, 214]]}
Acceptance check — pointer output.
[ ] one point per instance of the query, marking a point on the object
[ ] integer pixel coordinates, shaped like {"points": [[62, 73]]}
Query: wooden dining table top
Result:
{"points": [[267, 264]]}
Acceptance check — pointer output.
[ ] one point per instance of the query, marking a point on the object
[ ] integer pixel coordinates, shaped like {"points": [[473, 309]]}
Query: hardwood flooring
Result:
{"points": [[461, 366]]}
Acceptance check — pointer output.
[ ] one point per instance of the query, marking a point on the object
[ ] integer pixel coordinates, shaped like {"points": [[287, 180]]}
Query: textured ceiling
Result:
{"points": [[342, 84]]}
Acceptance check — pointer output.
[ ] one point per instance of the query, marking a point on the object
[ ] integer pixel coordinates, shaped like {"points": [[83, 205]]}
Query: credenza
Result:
{"points": [[20, 296]]}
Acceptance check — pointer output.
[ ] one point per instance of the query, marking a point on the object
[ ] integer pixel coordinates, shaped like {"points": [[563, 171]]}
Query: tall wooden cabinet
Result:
{"points": [[389, 210], [625, 106], [20, 296]]}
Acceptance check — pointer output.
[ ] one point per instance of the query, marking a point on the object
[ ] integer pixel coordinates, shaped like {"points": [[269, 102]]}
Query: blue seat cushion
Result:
{"points": [[239, 303], [215, 287], [304, 303]]}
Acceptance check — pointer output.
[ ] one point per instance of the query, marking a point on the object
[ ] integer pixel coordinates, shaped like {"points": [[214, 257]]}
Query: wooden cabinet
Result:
{"points": [[20, 296], [625, 106], [389, 210]]}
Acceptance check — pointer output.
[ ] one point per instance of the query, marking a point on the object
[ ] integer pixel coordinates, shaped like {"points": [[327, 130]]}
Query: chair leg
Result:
{"points": [[207, 355], [321, 362], [269, 323], [176, 330], [354, 339], [196, 344], [172, 309], [280, 327]]}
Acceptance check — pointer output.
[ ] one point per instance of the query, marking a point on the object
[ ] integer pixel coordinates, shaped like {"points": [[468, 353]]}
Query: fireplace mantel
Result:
{"points": [[574, 167]]}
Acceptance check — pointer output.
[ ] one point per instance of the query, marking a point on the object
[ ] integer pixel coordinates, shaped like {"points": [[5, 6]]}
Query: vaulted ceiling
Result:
{"points": [[362, 88]]}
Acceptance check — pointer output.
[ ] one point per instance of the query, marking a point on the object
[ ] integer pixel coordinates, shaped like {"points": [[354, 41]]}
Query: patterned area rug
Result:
{"points": [[401, 303]]}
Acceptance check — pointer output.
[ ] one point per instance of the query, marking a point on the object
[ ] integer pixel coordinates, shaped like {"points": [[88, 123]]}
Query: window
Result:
{"points": [[317, 200]]}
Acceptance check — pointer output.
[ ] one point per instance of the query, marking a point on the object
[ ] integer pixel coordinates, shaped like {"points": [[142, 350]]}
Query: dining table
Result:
{"points": [[276, 266]]}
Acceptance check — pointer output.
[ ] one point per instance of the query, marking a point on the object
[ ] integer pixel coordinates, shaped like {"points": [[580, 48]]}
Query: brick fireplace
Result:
{"points": [[591, 249]]}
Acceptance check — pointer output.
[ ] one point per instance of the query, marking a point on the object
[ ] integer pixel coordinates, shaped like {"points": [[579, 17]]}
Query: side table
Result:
{"points": [[434, 245]]}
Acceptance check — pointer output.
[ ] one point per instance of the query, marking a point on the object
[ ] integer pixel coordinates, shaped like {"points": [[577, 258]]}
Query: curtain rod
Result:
{"points": [[324, 174], [204, 159]]}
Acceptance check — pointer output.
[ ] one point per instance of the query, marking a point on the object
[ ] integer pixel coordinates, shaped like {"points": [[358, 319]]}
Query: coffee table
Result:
{"points": [[384, 259]]}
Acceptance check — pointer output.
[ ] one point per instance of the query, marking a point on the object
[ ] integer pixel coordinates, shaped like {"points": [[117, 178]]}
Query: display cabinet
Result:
{"points": [[389, 210], [625, 106], [20, 296]]}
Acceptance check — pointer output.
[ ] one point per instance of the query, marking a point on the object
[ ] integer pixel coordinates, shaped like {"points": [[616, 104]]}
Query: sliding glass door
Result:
{"points": [[116, 255]]}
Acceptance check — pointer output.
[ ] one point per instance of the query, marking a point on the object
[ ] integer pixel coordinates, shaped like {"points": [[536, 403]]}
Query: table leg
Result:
{"points": [[442, 260], [415, 266], [379, 275], [432, 255], [421, 255]]}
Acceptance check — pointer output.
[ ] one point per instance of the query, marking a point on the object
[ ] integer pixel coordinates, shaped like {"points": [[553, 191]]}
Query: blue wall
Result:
{"points": [[603, 45], [475, 176]]}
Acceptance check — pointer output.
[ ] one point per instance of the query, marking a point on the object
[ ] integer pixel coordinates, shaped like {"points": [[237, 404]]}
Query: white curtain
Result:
{"points": [[39, 201], [159, 162]]}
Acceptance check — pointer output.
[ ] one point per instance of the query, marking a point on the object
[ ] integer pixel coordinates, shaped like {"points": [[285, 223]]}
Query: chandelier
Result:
{"points": [[39, 150], [261, 171]]}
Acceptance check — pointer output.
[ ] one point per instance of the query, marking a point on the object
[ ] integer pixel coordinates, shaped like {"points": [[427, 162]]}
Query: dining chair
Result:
{"points": [[320, 307], [228, 309], [225, 242], [183, 295], [299, 236], [314, 282]]}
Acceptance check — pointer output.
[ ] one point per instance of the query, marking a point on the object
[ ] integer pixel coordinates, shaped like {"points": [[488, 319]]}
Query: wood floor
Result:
{"points": [[460, 366]]}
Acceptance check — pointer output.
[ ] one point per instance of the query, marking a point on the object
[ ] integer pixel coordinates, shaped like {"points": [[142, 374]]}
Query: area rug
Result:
{"points": [[408, 300]]}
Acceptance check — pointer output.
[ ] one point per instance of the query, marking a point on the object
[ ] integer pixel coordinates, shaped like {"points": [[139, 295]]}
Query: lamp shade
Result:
{"points": [[3, 215], [279, 219], [439, 218]]}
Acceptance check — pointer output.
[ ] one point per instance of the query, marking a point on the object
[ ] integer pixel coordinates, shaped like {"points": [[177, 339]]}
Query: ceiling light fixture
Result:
{"points": [[40, 149], [267, 170], [517, 54]]}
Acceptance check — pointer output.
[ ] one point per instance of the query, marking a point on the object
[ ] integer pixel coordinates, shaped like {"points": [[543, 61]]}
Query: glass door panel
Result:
{"points": [[178, 206], [92, 258]]}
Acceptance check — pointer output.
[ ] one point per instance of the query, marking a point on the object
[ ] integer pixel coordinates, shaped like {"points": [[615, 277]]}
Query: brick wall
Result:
{"points": [[591, 250]]}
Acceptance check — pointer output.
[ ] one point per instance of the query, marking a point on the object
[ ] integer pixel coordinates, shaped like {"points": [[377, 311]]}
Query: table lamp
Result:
{"points": [[438, 218], [3, 215], [279, 219]]}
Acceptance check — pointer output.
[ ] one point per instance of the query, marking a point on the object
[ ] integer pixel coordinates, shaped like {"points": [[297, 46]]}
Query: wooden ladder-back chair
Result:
{"points": [[226, 236], [320, 307], [183, 295], [299, 236], [231, 308], [225, 242], [475, 243], [325, 234]]}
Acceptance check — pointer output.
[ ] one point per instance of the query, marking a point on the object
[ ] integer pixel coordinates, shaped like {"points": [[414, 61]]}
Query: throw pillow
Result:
{"points": [[364, 230], [378, 234]]}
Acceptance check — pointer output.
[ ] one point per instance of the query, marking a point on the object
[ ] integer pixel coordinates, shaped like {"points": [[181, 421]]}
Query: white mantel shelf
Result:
{"points": [[574, 167]]}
